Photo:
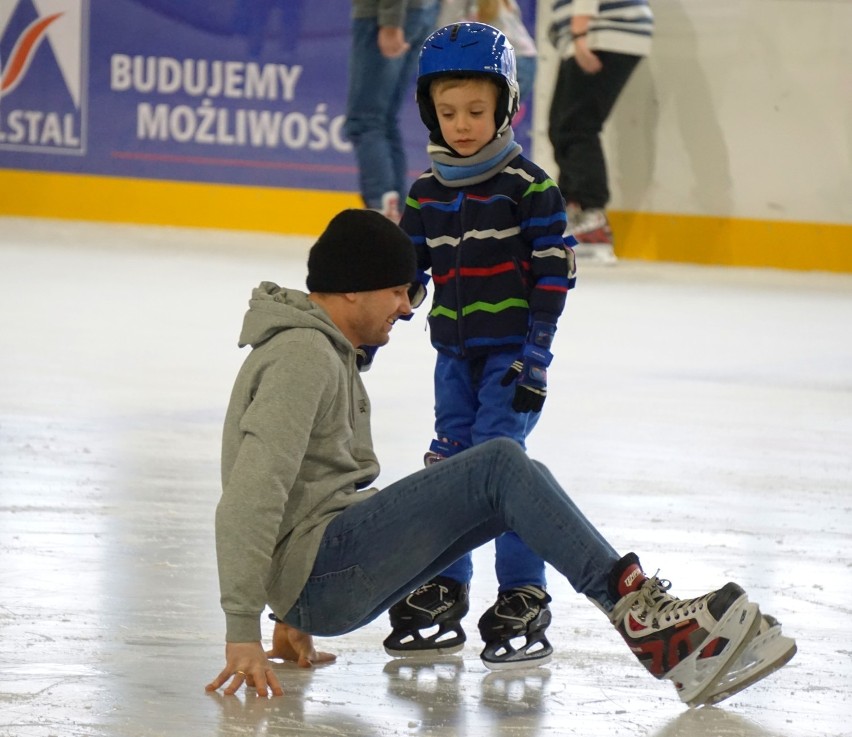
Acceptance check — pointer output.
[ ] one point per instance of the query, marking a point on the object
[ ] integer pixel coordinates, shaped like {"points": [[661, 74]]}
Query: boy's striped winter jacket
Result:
{"points": [[497, 254]]}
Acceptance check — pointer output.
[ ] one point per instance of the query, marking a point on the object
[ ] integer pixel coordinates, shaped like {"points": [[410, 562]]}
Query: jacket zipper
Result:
{"points": [[459, 294]]}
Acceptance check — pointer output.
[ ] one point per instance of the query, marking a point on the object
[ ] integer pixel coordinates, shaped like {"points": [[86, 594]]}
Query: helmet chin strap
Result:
{"points": [[509, 102]]}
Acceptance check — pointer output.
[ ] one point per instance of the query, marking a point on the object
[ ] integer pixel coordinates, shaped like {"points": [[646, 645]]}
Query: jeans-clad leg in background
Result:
{"points": [[377, 87]]}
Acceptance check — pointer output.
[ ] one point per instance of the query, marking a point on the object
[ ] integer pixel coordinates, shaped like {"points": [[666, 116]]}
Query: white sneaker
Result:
{"points": [[594, 235], [572, 213], [768, 651], [390, 207]]}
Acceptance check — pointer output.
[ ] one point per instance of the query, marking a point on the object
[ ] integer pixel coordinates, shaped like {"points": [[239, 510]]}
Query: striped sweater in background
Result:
{"points": [[623, 26]]}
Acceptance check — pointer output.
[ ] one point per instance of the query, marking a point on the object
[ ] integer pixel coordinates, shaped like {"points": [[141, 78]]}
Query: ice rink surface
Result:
{"points": [[700, 416]]}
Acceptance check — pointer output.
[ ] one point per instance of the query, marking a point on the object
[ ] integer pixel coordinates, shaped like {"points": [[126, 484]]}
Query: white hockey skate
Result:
{"points": [[691, 642], [768, 651]]}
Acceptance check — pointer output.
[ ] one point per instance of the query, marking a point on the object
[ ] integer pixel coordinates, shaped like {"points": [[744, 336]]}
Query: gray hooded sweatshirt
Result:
{"points": [[296, 448]]}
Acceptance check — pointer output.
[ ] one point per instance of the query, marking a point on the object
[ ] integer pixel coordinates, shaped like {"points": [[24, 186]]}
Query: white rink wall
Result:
{"points": [[743, 110]]}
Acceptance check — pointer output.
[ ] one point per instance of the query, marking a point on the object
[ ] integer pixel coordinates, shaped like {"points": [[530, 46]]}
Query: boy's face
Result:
{"points": [[465, 111]]}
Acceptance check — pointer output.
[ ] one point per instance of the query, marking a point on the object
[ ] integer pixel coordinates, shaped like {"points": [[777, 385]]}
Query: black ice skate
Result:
{"points": [[691, 642], [439, 606], [518, 613]]}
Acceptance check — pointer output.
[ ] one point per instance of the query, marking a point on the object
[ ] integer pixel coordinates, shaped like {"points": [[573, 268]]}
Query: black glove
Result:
{"points": [[530, 371]]}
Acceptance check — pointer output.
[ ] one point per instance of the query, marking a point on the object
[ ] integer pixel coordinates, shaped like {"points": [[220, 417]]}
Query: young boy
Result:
{"points": [[490, 225]]}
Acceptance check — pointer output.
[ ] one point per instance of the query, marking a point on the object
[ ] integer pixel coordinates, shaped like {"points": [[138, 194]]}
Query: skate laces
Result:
{"points": [[434, 597], [656, 603], [522, 599], [432, 588], [428, 586]]}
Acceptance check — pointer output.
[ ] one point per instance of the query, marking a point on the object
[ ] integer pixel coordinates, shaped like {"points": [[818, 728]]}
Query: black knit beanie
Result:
{"points": [[359, 251]]}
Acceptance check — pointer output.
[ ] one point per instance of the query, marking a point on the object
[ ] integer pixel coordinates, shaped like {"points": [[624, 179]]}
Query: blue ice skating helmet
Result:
{"points": [[468, 48]]}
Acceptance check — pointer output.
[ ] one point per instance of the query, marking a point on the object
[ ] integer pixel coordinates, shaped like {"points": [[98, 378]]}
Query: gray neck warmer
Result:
{"points": [[453, 170]]}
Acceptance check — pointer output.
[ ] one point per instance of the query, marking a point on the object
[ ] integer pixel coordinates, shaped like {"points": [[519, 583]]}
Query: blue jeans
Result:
{"points": [[377, 87], [375, 552], [471, 407], [526, 69]]}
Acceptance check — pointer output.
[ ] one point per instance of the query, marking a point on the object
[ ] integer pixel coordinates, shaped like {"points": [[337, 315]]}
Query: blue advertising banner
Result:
{"points": [[232, 92]]}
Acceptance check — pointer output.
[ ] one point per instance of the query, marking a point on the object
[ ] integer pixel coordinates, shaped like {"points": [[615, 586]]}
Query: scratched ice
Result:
{"points": [[701, 416]]}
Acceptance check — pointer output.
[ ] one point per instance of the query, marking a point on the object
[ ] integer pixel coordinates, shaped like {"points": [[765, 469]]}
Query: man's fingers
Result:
{"points": [[266, 681], [218, 681], [273, 683], [259, 683], [237, 681], [263, 681], [316, 658], [394, 51]]}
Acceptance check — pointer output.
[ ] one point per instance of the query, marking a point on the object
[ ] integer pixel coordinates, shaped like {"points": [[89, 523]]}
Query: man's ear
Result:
{"points": [[350, 296]]}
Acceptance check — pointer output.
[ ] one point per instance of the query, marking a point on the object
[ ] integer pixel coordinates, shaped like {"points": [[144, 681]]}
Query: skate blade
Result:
{"points": [[740, 610], [442, 639], [504, 657], [595, 253], [424, 653], [521, 664], [771, 652]]}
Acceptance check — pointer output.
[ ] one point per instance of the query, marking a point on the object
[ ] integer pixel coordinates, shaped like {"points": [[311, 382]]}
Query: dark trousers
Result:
{"points": [[580, 106]]}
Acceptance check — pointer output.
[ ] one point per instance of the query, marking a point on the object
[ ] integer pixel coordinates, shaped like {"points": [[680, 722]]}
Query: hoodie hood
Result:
{"points": [[273, 309]]}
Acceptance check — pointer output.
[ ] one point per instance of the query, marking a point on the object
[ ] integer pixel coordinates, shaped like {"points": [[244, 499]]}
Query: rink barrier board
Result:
{"points": [[638, 235], [702, 239], [158, 202]]}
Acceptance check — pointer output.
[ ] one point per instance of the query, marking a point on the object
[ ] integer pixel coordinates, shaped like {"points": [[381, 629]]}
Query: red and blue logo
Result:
{"points": [[43, 75]]}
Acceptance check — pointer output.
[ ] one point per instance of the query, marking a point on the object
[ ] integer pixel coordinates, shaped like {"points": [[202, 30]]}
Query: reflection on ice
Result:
{"points": [[700, 416]]}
